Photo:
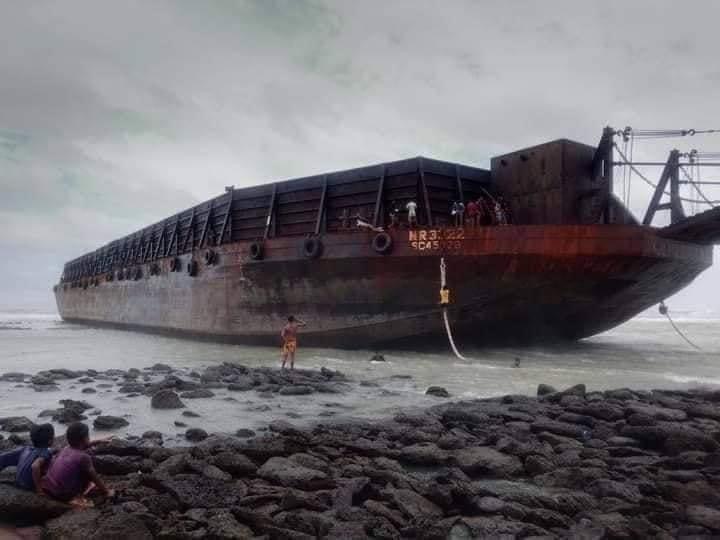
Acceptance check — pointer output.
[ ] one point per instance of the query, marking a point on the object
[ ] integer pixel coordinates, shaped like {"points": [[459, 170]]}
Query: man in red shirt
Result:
{"points": [[473, 213]]}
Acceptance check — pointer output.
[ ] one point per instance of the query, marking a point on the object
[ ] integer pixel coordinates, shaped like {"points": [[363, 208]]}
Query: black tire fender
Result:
{"points": [[257, 251], [312, 247], [382, 243]]}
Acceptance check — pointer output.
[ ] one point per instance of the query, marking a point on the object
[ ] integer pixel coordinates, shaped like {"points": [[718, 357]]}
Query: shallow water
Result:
{"points": [[644, 353]]}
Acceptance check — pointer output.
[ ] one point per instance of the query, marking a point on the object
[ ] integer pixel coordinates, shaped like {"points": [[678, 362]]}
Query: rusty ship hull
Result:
{"points": [[512, 283], [560, 258]]}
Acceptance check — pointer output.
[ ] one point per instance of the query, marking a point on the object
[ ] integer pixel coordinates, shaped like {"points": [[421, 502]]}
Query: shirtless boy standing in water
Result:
{"points": [[289, 336]]}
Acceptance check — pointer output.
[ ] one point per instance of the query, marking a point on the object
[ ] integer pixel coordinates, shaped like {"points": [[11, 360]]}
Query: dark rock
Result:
{"points": [[224, 526], [132, 388], [377, 357], [704, 516], [437, 391], [160, 367], [280, 470], [18, 505], [14, 377], [121, 526], [16, 424], [659, 413], [152, 435], [166, 399], [190, 414], [610, 488], [68, 416], [194, 491], [196, 434], [73, 525], [602, 410], [109, 422], [195, 394], [485, 460], [412, 505], [241, 385], [296, 390], [178, 423], [559, 428], [117, 465], [234, 464], [45, 387], [423, 454], [89, 391]]}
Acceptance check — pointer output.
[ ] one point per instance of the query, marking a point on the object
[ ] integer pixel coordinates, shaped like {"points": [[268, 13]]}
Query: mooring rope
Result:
{"points": [[443, 283], [664, 311]]}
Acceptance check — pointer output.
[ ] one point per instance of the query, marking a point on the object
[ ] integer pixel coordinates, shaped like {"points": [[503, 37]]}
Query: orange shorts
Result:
{"points": [[289, 347]]}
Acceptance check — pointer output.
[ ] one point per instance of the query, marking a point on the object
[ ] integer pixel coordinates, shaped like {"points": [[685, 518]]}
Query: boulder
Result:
{"points": [[244, 433], [160, 367], [413, 505], [68, 416], [280, 470], [14, 377], [704, 516], [166, 399], [132, 388], [559, 428], [79, 406], [73, 525], [16, 424], [117, 465], [196, 434], [199, 393], [190, 414], [296, 390], [152, 435], [242, 385], [437, 391], [109, 422], [487, 461], [224, 526], [25, 507], [234, 463], [196, 491]]}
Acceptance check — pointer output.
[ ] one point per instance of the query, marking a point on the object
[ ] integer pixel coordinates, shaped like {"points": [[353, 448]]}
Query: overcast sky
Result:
{"points": [[117, 114]]}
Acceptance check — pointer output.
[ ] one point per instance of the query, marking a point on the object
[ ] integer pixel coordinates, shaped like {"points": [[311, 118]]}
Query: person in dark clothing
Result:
{"points": [[473, 213], [31, 462]]}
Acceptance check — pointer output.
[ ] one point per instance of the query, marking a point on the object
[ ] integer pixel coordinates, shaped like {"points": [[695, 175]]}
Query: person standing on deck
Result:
{"points": [[412, 213], [289, 337], [454, 212], [473, 214], [460, 221], [394, 215]]}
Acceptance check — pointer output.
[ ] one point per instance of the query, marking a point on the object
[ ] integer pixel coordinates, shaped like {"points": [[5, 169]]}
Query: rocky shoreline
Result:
{"points": [[568, 464]]}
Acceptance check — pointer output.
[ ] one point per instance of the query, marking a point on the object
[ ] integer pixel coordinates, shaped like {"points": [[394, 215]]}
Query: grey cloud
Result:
{"points": [[114, 115]]}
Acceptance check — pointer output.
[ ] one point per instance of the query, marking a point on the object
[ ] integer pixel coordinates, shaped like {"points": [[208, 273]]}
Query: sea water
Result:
{"points": [[644, 353]]}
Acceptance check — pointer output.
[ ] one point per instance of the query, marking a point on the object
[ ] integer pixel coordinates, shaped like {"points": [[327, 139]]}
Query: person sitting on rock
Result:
{"points": [[31, 462], [72, 474]]}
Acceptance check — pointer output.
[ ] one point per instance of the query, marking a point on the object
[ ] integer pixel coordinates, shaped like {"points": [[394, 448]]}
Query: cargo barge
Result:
{"points": [[566, 261]]}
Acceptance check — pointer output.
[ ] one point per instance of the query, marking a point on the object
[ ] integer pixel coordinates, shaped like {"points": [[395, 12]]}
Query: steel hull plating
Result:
{"points": [[529, 283]]}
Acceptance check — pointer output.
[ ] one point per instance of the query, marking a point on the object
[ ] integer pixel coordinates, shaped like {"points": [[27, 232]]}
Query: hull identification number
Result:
{"points": [[435, 239]]}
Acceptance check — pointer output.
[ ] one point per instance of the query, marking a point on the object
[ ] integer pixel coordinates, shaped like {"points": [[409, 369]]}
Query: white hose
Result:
{"points": [[443, 282], [449, 335]]}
